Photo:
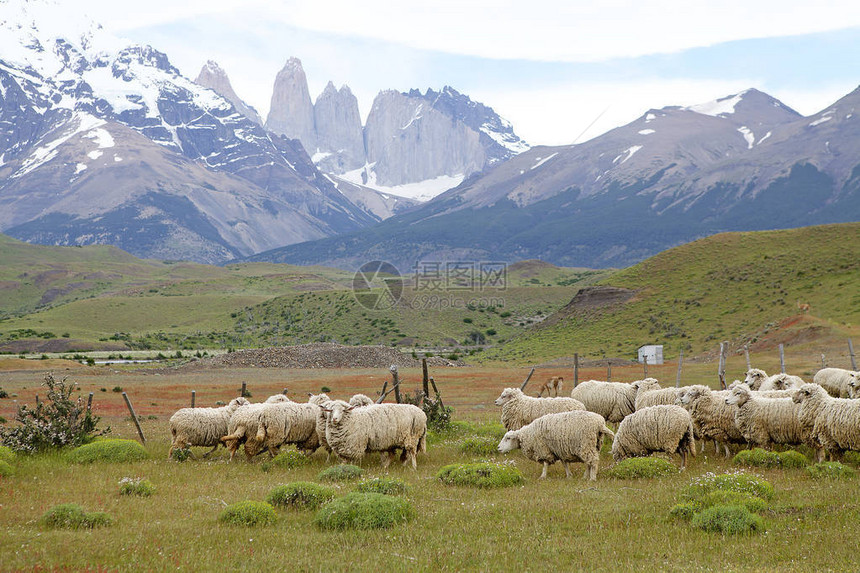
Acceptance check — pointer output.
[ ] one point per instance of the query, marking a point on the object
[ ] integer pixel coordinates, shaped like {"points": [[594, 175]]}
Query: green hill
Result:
{"points": [[740, 287]]}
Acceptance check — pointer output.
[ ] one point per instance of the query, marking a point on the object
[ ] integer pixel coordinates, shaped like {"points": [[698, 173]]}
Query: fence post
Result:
{"points": [[425, 377], [721, 369], [851, 354], [395, 382], [747, 356], [782, 358], [244, 393], [526, 381], [575, 370], [134, 418], [284, 392], [680, 363], [193, 397], [823, 361], [609, 372], [90, 403], [645, 364]]}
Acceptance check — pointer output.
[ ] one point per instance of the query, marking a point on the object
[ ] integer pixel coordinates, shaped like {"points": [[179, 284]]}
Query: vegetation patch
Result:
{"points": [[180, 454], [6, 469], [112, 451], [249, 513], [287, 460], [7, 455], [736, 481], [385, 486], [852, 458], [73, 516], [300, 495], [363, 511], [758, 457], [832, 470], [725, 503], [342, 472], [140, 487], [481, 474], [478, 446], [729, 520], [635, 468]]}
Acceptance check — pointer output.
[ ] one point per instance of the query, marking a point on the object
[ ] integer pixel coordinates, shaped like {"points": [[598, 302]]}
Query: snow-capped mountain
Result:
{"points": [[64, 82]]}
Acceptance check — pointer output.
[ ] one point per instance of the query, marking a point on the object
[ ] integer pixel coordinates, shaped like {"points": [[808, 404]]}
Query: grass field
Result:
{"points": [[607, 525]]}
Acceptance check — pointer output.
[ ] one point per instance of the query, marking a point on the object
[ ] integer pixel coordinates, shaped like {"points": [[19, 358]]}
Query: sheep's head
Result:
{"points": [[754, 378], [854, 385], [277, 398], [318, 399], [238, 402], [507, 395], [738, 395], [806, 392], [510, 442], [646, 385], [691, 394], [360, 400], [337, 410]]}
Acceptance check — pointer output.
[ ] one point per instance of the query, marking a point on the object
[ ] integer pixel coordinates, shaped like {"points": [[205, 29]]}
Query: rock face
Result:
{"points": [[212, 76], [339, 136], [291, 113]]}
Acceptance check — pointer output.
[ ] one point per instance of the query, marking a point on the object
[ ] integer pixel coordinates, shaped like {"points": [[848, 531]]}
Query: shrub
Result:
{"points": [[481, 474], [180, 454], [342, 472], [832, 470], [792, 459], [114, 451], [385, 486], [684, 511], [288, 460], [325, 389], [363, 511], [726, 497], [300, 495], [737, 481], [634, 468], [757, 457], [136, 486], [7, 455], [478, 446], [116, 389], [6, 469], [3, 393], [73, 516], [249, 513], [728, 519], [56, 422]]}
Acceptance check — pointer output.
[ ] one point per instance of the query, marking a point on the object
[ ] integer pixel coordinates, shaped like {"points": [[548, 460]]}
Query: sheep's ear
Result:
{"points": [[350, 409]]}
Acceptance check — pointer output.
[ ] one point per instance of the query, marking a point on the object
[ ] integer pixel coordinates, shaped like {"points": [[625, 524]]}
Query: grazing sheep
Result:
{"points": [[612, 400], [831, 424], [835, 380], [552, 387], [764, 422], [244, 423], [661, 397], [854, 385], [358, 400], [288, 423], [352, 431], [666, 428], [713, 419], [575, 436], [201, 426], [519, 409]]}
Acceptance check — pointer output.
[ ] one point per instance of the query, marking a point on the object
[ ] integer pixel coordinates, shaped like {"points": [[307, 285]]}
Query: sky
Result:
{"points": [[560, 71]]}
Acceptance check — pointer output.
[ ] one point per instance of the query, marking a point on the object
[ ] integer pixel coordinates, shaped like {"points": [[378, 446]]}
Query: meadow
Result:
{"points": [[607, 525]]}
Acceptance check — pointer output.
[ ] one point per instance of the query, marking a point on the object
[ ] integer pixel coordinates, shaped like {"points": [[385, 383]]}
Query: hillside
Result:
{"points": [[739, 287]]}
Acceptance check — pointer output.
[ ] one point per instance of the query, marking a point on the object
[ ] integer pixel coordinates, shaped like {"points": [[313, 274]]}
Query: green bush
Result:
{"points": [[7, 455], [73, 516], [726, 497], [793, 459], [136, 486], [114, 451], [342, 472], [478, 446], [249, 513], [481, 474], [6, 469], [300, 495], [385, 486], [728, 519], [684, 511], [363, 511], [832, 470], [288, 460], [852, 458], [650, 467], [737, 481], [757, 457], [180, 454]]}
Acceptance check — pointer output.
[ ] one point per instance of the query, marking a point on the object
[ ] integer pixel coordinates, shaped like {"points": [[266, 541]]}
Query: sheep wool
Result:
{"points": [[835, 380], [358, 400], [831, 423], [574, 436], [612, 400], [244, 423], [201, 426], [289, 423], [764, 422], [667, 428], [713, 419], [519, 409], [353, 431], [661, 397]]}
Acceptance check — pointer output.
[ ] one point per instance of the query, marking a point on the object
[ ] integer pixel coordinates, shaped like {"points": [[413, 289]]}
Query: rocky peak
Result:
{"points": [[214, 77], [339, 136], [291, 112]]}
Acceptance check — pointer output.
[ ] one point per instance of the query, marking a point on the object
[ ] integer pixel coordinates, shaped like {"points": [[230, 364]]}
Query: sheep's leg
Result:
{"points": [[684, 459], [728, 451], [543, 474], [209, 453], [385, 458], [170, 451], [591, 471], [567, 470]]}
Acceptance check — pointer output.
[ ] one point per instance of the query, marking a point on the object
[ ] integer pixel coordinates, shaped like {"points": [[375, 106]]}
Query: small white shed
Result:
{"points": [[653, 352]]}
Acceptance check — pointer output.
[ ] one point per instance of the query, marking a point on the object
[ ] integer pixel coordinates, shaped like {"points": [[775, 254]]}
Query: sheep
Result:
{"points": [[612, 400], [201, 426], [758, 380], [352, 431], [754, 378], [713, 419], [519, 409], [361, 400], [665, 428], [854, 385], [553, 387], [831, 424], [288, 423], [244, 423], [765, 393], [358, 400], [764, 422], [574, 436], [835, 380], [663, 396]]}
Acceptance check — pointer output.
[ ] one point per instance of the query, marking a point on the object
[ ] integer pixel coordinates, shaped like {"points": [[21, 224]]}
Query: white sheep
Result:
{"points": [[361, 400], [552, 387], [835, 380], [201, 426], [854, 385], [352, 431], [764, 422], [759, 381], [358, 400], [244, 423], [288, 423], [612, 400], [831, 424], [666, 428], [660, 397], [575, 436], [713, 419], [519, 409]]}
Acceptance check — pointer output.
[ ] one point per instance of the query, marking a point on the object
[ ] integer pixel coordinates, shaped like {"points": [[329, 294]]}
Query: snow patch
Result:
{"points": [[766, 135], [646, 131], [79, 168], [748, 135], [320, 155], [507, 140], [101, 137], [626, 154], [828, 115], [415, 116], [720, 107], [542, 161], [420, 191], [117, 158], [650, 117], [95, 154], [80, 122]]}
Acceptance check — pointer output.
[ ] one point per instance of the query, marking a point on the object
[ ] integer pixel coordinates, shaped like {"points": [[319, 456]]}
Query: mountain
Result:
{"points": [[214, 77], [339, 136], [744, 162], [108, 142], [291, 112]]}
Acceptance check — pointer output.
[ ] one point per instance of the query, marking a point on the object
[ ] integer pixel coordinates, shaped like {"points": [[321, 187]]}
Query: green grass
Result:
{"points": [[249, 513], [363, 511], [6, 469], [300, 495], [7, 455], [478, 445], [728, 519], [286, 460], [136, 486], [831, 470], [637, 468], [758, 457], [73, 516], [385, 486], [480, 475], [342, 472], [110, 451]]}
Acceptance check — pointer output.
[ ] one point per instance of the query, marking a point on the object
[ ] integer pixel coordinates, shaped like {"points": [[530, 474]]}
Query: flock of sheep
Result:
{"points": [[762, 411]]}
